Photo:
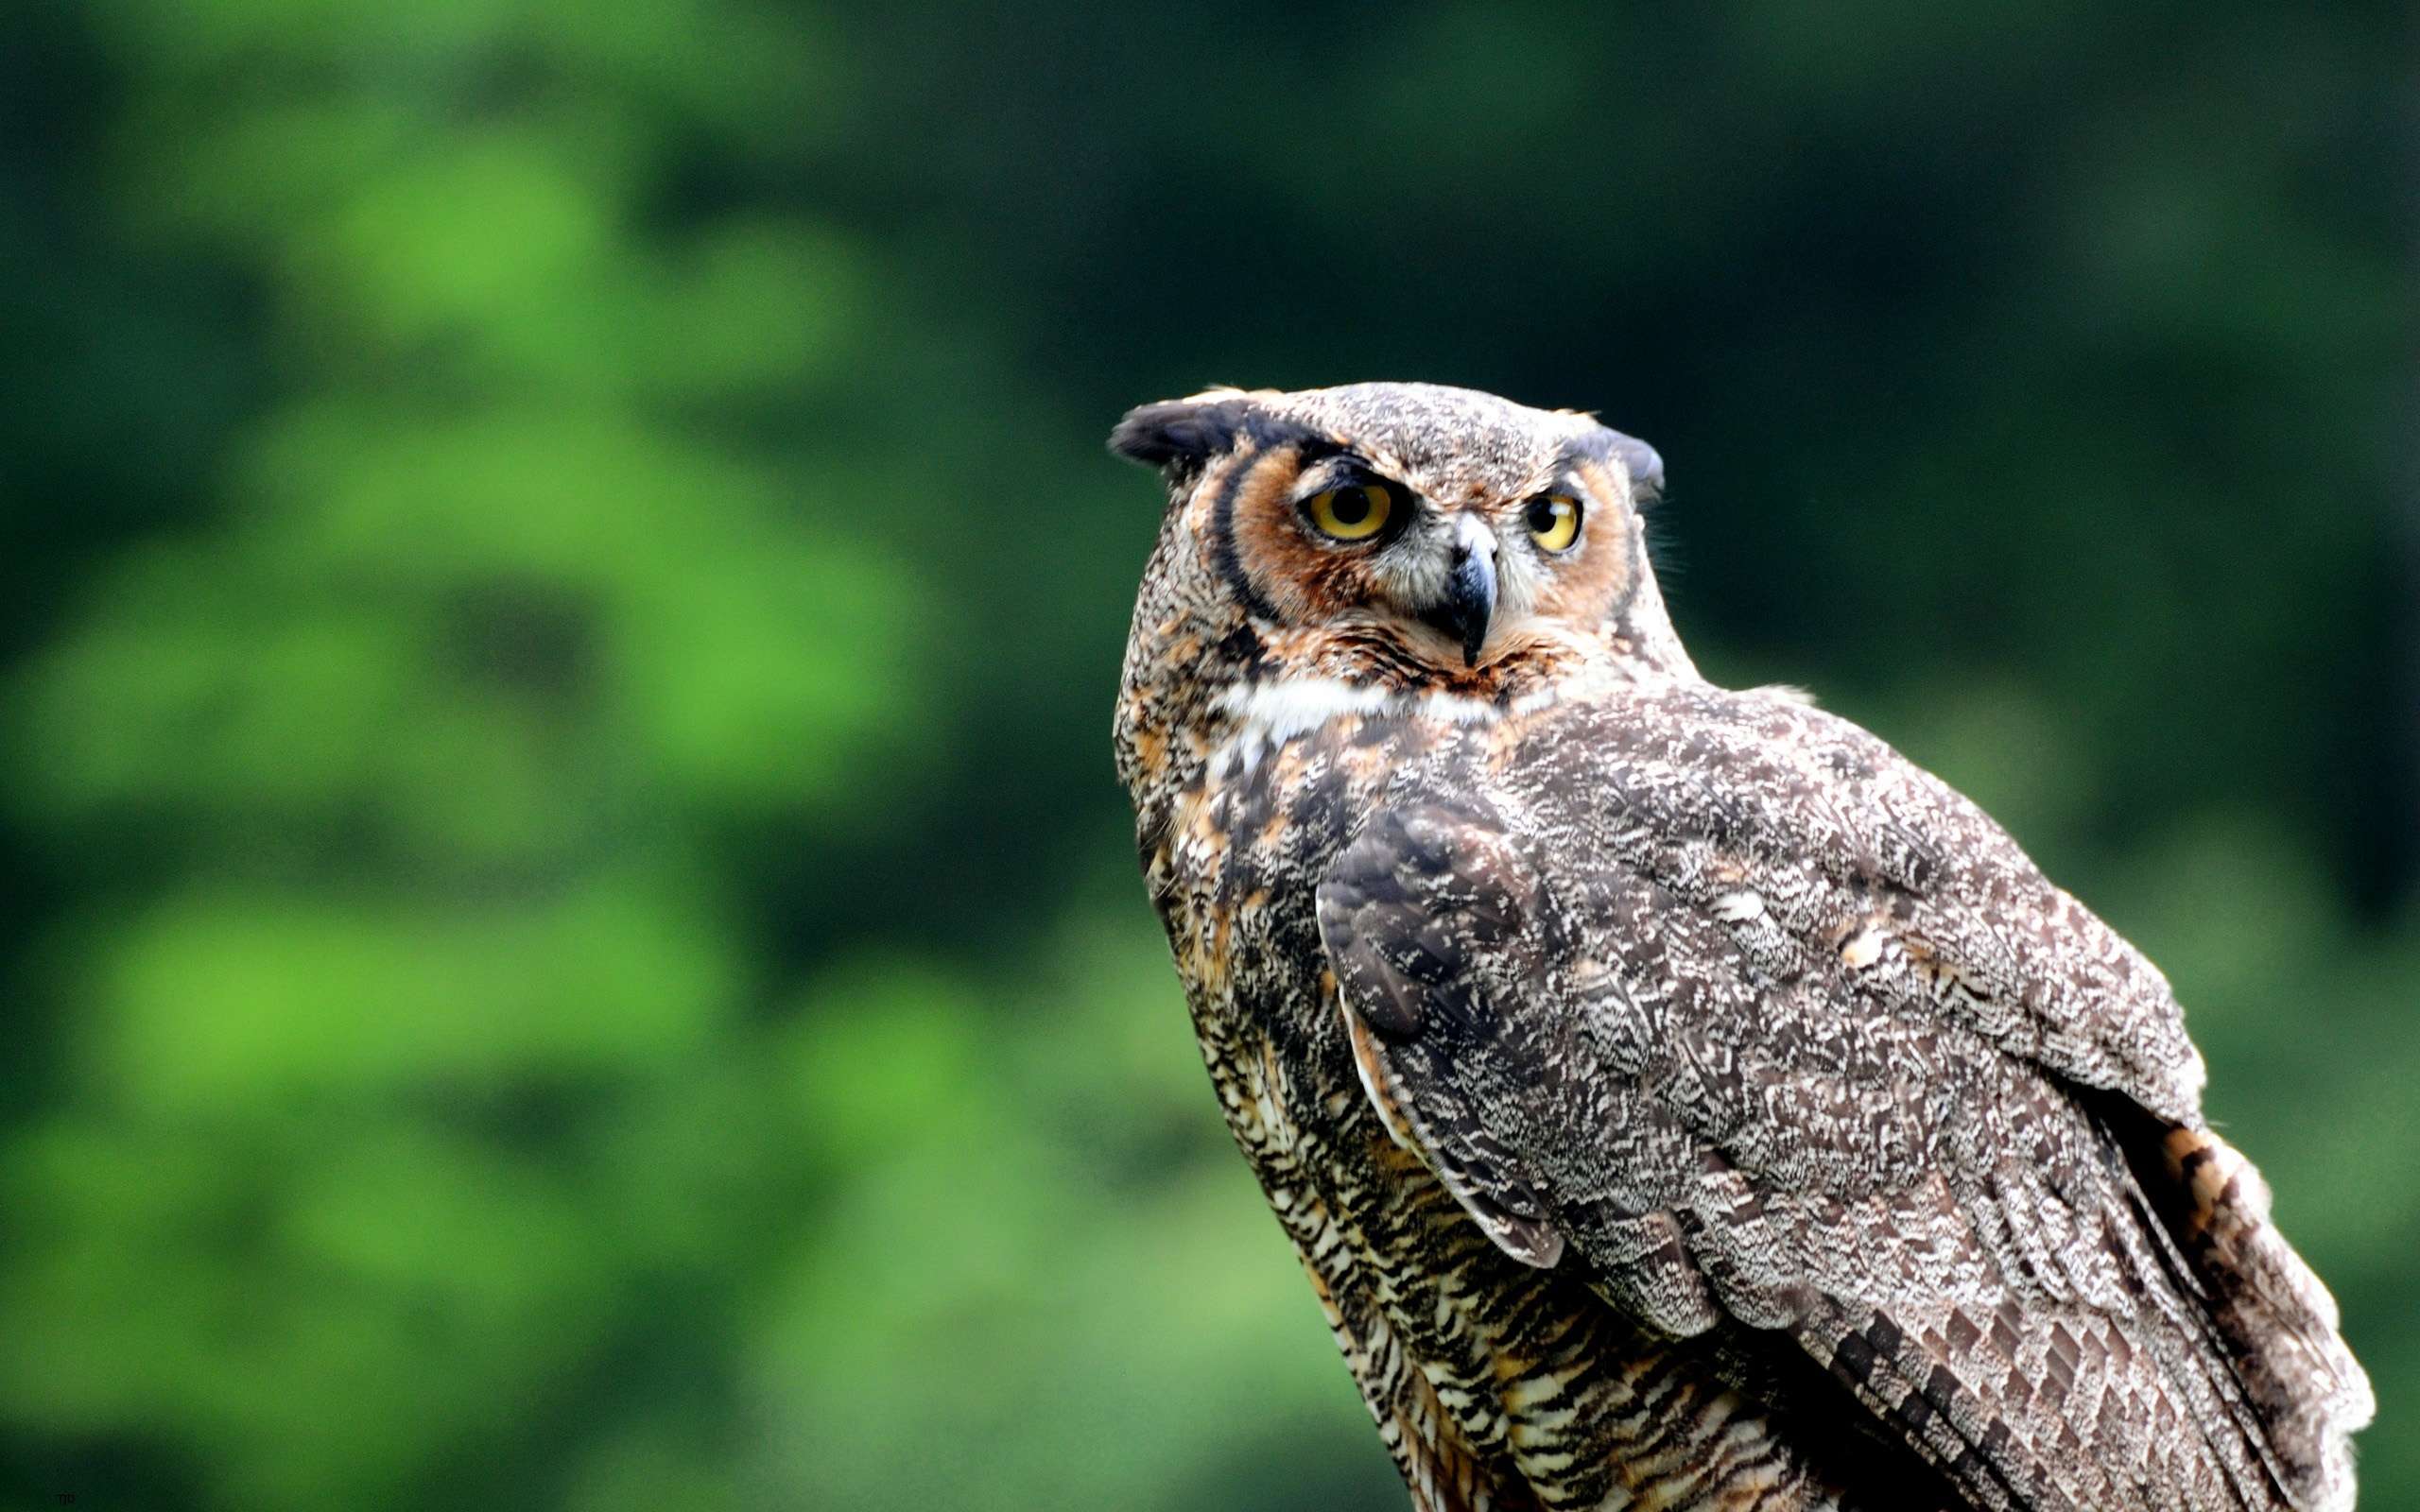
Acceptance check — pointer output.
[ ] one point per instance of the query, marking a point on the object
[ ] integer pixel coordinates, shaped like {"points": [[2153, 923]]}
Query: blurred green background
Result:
{"points": [[571, 941]]}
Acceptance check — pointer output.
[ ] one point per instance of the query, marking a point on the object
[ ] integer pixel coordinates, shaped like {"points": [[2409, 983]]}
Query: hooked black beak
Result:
{"points": [[1469, 603]]}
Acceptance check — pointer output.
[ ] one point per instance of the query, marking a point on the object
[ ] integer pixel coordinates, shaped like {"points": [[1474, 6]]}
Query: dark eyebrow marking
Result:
{"points": [[1354, 470], [1222, 537]]}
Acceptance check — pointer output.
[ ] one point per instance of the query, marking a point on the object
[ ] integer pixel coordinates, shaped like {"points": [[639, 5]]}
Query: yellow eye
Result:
{"points": [[1554, 521], [1356, 513]]}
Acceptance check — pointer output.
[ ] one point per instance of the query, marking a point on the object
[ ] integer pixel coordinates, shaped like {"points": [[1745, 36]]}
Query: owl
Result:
{"points": [[1677, 1098]]}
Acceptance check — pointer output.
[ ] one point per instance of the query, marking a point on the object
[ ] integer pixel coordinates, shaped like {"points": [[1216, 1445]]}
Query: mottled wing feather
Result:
{"points": [[1413, 976], [1960, 921], [1733, 787], [1770, 1026]]}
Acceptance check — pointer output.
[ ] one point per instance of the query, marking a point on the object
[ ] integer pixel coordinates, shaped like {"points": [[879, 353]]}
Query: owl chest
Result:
{"points": [[1240, 907], [1236, 882], [1253, 970]]}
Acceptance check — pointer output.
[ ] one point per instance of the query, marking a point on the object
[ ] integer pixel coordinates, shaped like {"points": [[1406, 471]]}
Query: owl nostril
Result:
{"points": [[1472, 538]]}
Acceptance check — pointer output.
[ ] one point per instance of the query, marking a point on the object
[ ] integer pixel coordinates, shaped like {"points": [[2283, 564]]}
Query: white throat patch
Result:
{"points": [[1268, 715]]}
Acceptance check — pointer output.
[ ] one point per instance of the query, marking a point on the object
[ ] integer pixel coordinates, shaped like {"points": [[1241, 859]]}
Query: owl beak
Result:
{"points": [[1469, 604]]}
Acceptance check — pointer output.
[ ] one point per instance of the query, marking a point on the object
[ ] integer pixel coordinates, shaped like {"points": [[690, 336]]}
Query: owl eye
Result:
{"points": [[1354, 512], [1553, 520]]}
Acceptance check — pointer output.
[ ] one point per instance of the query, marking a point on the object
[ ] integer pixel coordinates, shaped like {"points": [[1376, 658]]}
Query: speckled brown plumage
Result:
{"points": [[1677, 1098]]}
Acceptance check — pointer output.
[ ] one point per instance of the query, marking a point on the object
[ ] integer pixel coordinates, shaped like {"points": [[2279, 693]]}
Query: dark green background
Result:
{"points": [[571, 940]]}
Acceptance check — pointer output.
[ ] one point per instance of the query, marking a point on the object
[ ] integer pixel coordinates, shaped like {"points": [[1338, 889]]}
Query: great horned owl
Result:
{"points": [[1677, 1098]]}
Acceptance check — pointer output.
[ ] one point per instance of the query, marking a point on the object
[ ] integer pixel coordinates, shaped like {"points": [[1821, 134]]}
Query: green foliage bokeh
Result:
{"points": [[571, 940]]}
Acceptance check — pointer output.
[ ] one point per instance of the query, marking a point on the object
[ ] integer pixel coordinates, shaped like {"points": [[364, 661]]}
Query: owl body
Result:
{"points": [[1676, 1098]]}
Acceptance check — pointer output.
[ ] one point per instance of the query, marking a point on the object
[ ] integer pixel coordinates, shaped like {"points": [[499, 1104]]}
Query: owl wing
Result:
{"points": [[1772, 1028]]}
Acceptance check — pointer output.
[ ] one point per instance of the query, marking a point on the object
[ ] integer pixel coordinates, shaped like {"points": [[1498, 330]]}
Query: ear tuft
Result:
{"points": [[1181, 436], [1644, 463], [1179, 432]]}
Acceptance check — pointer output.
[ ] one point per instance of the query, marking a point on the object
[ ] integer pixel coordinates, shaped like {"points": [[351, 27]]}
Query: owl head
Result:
{"points": [[1402, 537]]}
